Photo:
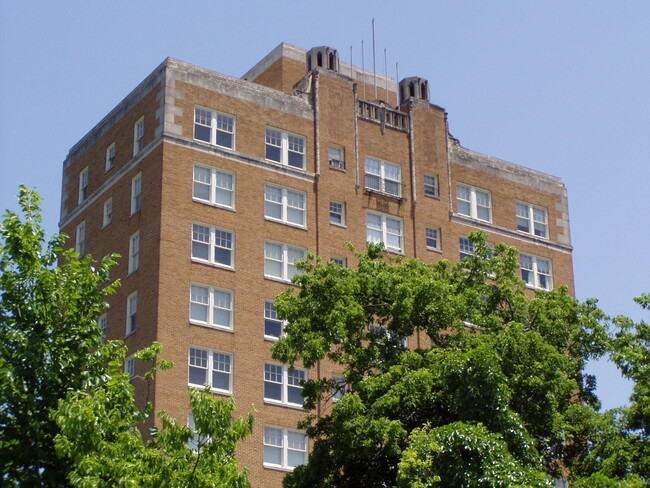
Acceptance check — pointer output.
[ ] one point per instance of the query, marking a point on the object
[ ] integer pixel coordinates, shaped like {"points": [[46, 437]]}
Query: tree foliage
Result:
{"points": [[495, 365], [99, 434], [67, 410], [49, 341]]}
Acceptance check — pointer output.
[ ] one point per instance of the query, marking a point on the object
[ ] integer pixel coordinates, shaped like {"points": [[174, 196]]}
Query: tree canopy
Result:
{"points": [[488, 398], [67, 411]]}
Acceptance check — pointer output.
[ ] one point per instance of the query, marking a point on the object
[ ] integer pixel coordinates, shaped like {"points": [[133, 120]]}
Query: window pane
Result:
{"points": [[273, 455], [202, 133], [198, 376], [200, 241], [224, 139], [221, 381]]}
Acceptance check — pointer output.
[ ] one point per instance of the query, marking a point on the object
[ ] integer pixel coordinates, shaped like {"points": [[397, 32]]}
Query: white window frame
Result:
{"points": [[131, 313], [287, 144], [337, 213], [218, 123], [288, 269], [430, 230], [110, 157], [83, 185], [528, 219], [534, 275], [465, 247], [339, 388], [136, 193], [213, 302], [270, 315], [336, 157], [134, 252], [80, 242], [222, 191], [272, 371], [214, 364], [107, 215], [138, 136], [283, 434], [340, 261], [102, 323], [379, 180], [380, 232], [286, 205], [218, 240], [129, 367], [472, 200], [431, 186]]}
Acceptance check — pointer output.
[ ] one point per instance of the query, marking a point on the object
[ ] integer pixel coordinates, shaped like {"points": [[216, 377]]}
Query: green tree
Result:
{"points": [[67, 410], [496, 366], [99, 433], [615, 445], [49, 341]]}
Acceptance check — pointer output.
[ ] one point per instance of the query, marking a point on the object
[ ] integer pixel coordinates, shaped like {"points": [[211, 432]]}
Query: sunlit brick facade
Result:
{"points": [[210, 186]]}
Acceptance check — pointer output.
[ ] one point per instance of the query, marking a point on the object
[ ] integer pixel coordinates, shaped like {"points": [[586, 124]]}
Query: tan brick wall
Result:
{"points": [[165, 223]]}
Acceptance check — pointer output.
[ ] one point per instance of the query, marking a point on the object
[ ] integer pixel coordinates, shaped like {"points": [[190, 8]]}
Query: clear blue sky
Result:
{"points": [[559, 86]]}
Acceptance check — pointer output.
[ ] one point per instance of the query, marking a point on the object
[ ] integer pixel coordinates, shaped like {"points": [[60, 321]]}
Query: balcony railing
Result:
{"points": [[383, 115]]}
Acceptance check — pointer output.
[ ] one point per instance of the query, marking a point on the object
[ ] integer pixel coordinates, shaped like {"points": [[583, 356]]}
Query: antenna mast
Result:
{"points": [[374, 66]]}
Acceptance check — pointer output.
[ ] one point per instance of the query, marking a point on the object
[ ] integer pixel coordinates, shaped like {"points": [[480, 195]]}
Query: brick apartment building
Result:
{"points": [[210, 187]]}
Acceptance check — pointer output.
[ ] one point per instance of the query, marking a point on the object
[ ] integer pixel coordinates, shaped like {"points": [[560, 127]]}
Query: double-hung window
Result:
{"points": [[273, 326], [102, 323], [336, 155], [108, 212], [80, 244], [136, 193], [212, 368], [283, 384], [285, 205], [280, 260], [381, 228], [284, 448], [131, 313], [285, 148], [383, 177], [431, 187], [536, 272], [337, 213], [129, 368], [134, 252], [110, 157], [213, 245], [474, 203], [433, 238], [138, 136], [339, 387], [340, 261], [466, 247], [83, 185], [214, 186], [214, 127], [211, 306], [532, 220]]}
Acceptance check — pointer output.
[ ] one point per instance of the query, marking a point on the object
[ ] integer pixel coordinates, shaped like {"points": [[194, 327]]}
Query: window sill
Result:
{"points": [[278, 468], [434, 249], [288, 224], [129, 334], [284, 405], [271, 338], [284, 165], [214, 145], [433, 197], [280, 280], [343, 226], [213, 265], [212, 204], [372, 191], [215, 327], [212, 390], [532, 236]]}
